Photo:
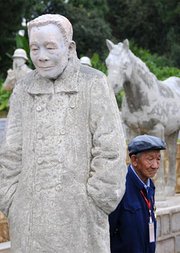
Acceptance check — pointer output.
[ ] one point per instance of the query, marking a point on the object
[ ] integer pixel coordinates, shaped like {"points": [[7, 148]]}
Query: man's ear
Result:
{"points": [[134, 160]]}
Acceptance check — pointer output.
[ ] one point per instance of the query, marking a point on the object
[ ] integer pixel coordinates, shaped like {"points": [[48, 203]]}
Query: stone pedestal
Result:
{"points": [[178, 169], [168, 225], [5, 247]]}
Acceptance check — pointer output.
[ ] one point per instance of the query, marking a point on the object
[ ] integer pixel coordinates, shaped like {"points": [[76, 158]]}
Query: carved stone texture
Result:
{"points": [[2, 129]]}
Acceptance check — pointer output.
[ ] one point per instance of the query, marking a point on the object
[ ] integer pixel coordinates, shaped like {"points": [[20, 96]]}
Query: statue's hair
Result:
{"points": [[62, 23]]}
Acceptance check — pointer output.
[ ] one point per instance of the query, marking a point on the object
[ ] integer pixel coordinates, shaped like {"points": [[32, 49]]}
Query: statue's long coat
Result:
{"points": [[62, 168]]}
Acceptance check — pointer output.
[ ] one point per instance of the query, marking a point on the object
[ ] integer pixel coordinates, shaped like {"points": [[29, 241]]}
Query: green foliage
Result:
{"points": [[153, 25], [88, 19], [11, 13], [4, 97], [119, 98], [22, 42], [98, 64], [85, 28], [158, 65]]}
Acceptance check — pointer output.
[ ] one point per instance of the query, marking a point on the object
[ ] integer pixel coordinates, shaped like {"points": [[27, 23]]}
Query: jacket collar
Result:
{"points": [[139, 184], [66, 82]]}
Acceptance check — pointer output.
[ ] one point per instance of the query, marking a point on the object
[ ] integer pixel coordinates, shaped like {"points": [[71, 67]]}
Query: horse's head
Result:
{"points": [[118, 64]]}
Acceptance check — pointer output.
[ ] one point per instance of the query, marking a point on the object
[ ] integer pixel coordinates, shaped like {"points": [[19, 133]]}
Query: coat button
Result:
{"points": [[72, 106], [58, 187], [62, 131], [39, 136], [38, 188], [61, 159], [39, 160], [38, 108]]}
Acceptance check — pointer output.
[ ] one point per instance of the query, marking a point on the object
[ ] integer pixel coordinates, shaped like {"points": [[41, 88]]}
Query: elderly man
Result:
{"points": [[133, 223], [62, 166]]}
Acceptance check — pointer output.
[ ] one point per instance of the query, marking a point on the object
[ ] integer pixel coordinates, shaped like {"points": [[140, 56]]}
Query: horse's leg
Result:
{"points": [[171, 141]]}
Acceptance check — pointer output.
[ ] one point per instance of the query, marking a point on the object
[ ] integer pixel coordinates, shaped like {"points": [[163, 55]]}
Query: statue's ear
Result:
{"points": [[109, 44], [72, 45], [72, 48], [126, 44]]}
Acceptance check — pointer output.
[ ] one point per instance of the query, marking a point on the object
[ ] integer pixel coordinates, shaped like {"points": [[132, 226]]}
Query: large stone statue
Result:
{"points": [[149, 105], [19, 69], [62, 167]]}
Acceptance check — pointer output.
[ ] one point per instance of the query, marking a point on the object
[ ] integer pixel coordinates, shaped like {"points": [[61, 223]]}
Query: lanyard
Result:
{"points": [[151, 222], [148, 202]]}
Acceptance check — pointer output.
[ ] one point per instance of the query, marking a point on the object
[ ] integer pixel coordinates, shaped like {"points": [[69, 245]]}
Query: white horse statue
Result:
{"points": [[149, 106]]}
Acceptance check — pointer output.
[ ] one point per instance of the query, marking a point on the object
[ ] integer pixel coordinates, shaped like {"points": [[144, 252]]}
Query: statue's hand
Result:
{"points": [[11, 74]]}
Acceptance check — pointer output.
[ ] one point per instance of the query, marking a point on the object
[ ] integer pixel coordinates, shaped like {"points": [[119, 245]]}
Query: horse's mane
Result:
{"points": [[143, 71]]}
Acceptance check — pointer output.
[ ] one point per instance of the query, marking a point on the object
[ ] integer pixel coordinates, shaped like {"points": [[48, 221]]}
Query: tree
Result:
{"points": [[87, 18], [170, 15], [11, 13], [151, 24]]}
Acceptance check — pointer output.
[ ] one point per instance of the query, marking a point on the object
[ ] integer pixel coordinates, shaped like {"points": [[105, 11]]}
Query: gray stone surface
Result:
{"points": [[178, 244], [165, 224], [5, 247], [167, 246], [168, 225], [175, 222], [2, 129]]}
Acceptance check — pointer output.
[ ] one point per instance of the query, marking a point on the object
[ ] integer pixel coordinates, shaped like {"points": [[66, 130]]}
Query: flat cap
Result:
{"points": [[144, 143]]}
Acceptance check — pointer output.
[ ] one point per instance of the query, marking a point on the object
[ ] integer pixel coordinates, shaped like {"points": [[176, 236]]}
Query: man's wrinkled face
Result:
{"points": [[146, 164], [48, 50]]}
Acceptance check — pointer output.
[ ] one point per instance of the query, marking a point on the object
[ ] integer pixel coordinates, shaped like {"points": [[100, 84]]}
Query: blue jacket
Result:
{"points": [[129, 223]]}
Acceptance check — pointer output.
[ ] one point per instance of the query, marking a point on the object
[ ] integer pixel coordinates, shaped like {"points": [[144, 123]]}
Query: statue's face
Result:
{"points": [[48, 50], [18, 62]]}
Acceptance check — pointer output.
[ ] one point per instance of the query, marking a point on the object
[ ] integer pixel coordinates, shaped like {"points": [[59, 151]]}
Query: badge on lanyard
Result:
{"points": [[151, 229], [151, 223]]}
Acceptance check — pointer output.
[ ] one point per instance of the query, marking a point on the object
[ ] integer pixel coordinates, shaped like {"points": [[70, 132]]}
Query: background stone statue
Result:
{"points": [[18, 70], [149, 106], [85, 60], [62, 168]]}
